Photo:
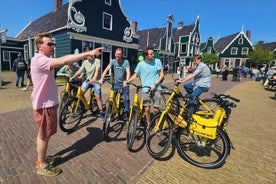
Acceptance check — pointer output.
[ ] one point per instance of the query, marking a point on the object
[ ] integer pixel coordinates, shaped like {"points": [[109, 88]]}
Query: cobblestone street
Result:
{"points": [[87, 158]]}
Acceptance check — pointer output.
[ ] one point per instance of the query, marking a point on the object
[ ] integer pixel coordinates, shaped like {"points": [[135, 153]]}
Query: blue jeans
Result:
{"points": [[125, 94], [96, 87], [194, 94], [20, 77]]}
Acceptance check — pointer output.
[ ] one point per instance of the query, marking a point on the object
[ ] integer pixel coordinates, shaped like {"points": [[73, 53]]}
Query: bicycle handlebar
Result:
{"points": [[226, 96], [138, 87]]}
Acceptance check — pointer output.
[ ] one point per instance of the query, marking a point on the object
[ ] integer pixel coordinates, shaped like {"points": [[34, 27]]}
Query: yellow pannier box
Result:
{"points": [[204, 127]]}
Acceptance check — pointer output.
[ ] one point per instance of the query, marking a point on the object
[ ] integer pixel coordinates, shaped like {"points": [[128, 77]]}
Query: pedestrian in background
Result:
{"points": [[19, 66], [28, 76], [45, 96]]}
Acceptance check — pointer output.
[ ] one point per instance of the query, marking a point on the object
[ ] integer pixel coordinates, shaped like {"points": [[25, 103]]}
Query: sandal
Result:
{"points": [[49, 170]]}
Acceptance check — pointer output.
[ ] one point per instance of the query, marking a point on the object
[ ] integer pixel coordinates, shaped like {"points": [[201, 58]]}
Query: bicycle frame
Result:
{"points": [[81, 97], [200, 126], [115, 99], [137, 102]]}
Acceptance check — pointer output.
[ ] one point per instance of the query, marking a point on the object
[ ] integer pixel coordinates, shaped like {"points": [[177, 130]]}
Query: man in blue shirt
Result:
{"points": [[202, 81], [151, 74], [121, 71]]}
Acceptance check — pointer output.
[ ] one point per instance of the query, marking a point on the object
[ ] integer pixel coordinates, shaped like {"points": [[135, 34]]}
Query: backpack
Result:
{"points": [[21, 65]]}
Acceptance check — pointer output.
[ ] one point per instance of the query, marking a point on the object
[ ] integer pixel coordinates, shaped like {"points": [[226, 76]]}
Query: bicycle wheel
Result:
{"points": [[63, 99], [71, 115], [158, 142], [131, 128], [93, 105], [108, 118], [212, 105], [202, 152]]}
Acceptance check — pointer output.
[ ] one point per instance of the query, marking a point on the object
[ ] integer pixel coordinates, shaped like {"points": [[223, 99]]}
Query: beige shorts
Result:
{"points": [[46, 120], [152, 97]]}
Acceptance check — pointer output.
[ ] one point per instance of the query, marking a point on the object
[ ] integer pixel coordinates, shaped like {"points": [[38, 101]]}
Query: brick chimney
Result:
{"points": [[58, 3], [248, 34], [134, 26]]}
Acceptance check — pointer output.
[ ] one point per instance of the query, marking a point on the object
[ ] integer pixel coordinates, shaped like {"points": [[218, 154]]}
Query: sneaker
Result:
{"points": [[24, 89], [51, 159], [49, 170], [102, 116]]}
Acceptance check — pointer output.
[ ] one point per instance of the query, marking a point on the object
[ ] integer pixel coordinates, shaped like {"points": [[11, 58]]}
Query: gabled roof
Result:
{"points": [[151, 37], [269, 46], [52, 21], [222, 43]]}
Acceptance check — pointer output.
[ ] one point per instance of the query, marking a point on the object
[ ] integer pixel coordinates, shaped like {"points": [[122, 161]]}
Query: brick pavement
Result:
{"points": [[86, 158]]}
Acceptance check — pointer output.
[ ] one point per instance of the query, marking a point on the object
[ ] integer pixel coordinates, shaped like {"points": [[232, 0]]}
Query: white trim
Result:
{"points": [[101, 40]]}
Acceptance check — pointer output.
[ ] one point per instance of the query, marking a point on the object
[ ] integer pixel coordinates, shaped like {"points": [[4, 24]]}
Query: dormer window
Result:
{"points": [[107, 21], [240, 41]]}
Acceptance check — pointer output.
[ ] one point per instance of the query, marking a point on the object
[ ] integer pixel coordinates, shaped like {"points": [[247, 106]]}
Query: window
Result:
{"points": [[108, 2], [234, 51], [240, 42], [209, 49], [245, 50], [107, 21], [6, 56], [183, 48]]}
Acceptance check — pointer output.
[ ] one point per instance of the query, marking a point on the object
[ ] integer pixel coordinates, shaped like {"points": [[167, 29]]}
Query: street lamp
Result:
{"points": [[2, 40]]}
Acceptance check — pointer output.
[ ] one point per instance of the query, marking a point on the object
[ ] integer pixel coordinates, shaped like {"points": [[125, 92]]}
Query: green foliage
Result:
{"points": [[209, 58], [259, 55]]}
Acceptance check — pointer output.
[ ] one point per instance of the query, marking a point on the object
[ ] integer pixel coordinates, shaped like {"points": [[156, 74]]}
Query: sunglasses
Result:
{"points": [[50, 44]]}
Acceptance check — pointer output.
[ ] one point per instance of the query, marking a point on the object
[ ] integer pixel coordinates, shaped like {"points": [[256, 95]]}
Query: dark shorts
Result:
{"points": [[46, 120]]}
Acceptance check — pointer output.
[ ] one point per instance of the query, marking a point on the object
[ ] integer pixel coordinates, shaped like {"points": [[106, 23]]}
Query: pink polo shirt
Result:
{"points": [[45, 93]]}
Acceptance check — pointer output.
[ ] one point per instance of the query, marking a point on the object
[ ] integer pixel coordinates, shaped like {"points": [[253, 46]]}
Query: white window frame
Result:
{"points": [[209, 49], [103, 21], [6, 56], [181, 48], [240, 41], [245, 50], [234, 50]]}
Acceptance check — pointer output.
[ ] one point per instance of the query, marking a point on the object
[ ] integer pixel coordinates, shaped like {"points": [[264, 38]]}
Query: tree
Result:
{"points": [[210, 58], [260, 55]]}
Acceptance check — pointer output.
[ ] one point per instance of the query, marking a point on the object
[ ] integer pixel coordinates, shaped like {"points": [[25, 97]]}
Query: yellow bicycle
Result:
{"points": [[201, 139], [114, 110], [137, 114], [72, 112]]}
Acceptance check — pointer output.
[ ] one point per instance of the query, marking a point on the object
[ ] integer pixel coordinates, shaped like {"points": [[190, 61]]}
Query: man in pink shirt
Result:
{"points": [[45, 95]]}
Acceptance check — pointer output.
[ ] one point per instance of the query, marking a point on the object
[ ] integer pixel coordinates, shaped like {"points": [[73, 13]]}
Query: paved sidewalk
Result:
{"points": [[86, 158]]}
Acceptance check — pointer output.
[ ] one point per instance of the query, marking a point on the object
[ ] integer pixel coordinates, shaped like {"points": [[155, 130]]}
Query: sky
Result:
{"points": [[218, 18]]}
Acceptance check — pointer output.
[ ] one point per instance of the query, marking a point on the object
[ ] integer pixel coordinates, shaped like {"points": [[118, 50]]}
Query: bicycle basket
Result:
{"points": [[203, 127]]}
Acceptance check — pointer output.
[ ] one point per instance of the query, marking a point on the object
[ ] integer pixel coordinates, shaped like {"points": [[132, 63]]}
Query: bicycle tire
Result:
{"points": [[211, 155], [107, 120], [131, 128], [63, 99], [71, 115], [93, 105], [158, 143]]}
